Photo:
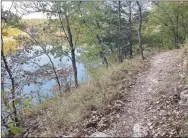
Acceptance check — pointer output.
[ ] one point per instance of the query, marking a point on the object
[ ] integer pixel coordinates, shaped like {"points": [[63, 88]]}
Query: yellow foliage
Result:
{"points": [[4, 33], [11, 32], [10, 44]]}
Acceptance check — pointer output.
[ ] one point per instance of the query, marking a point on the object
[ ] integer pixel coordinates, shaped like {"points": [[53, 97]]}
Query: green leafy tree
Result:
{"points": [[167, 25]]}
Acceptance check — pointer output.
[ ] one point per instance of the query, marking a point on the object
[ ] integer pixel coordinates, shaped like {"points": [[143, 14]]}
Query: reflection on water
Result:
{"points": [[45, 90]]}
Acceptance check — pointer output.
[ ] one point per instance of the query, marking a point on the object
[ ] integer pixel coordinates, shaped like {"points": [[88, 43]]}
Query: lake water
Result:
{"points": [[45, 89]]}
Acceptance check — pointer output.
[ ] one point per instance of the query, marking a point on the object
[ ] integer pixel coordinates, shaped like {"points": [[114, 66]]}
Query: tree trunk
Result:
{"points": [[119, 29], [102, 54], [53, 67], [130, 30], [12, 83], [72, 51], [104, 59], [74, 67], [176, 41], [139, 30]]}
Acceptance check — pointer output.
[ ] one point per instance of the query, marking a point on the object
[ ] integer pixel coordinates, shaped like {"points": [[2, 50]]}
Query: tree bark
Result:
{"points": [[72, 51], [12, 83], [53, 67], [119, 29], [176, 41], [139, 30], [104, 59], [130, 30]]}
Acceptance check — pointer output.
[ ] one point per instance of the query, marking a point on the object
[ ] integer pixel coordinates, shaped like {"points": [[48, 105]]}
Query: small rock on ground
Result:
{"points": [[99, 134]]}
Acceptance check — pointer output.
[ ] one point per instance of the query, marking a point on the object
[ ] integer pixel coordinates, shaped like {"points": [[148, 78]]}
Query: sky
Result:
{"points": [[7, 5]]}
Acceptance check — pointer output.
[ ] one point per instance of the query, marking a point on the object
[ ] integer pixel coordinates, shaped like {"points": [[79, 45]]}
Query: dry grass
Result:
{"points": [[184, 63], [184, 85], [69, 109], [186, 58]]}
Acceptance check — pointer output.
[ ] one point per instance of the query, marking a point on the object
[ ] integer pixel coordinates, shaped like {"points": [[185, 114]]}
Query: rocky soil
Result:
{"points": [[153, 107]]}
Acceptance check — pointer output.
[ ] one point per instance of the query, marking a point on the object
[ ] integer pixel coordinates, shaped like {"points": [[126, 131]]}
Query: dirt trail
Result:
{"points": [[152, 109]]}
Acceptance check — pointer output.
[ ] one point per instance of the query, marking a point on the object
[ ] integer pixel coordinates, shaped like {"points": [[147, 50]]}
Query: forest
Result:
{"points": [[87, 67]]}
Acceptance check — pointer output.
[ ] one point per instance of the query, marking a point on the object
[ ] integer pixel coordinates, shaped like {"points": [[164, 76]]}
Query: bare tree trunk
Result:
{"points": [[70, 41], [3, 98], [72, 51], [139, 30], [74, 67], [130, 29], [12, 83], [104, 59], [119, 29], [176, 41], [53, 67]]}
